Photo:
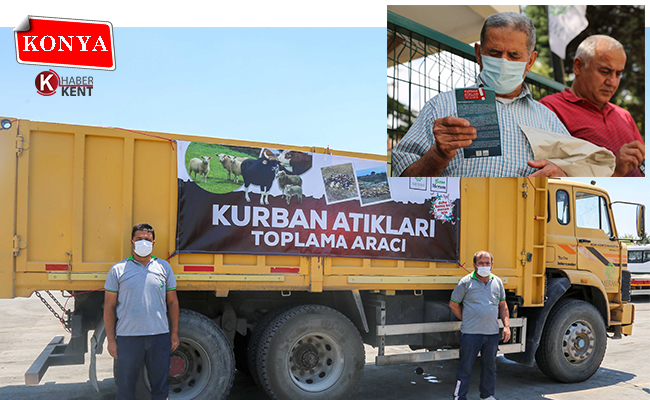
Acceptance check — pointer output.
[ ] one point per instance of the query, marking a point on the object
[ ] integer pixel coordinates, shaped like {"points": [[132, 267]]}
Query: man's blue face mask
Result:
{"points": [[502, 75]]}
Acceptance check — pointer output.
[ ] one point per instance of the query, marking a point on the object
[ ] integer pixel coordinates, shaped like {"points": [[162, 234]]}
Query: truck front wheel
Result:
{"points": [[310, 352], [573, 342]]}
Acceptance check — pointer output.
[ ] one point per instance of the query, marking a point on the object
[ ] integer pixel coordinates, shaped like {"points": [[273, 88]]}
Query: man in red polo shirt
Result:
{"points": [[585, 108]]}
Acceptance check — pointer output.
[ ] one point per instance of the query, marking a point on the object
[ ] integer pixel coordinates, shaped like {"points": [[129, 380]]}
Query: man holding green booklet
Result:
{"points": [[505, 54]]}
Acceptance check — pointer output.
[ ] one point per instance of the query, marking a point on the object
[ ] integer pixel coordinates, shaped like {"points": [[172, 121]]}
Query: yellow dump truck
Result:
{"points": [[286, 280]]}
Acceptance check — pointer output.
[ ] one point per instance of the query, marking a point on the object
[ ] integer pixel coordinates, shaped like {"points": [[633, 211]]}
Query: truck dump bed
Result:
{"points": [[72, 194]]}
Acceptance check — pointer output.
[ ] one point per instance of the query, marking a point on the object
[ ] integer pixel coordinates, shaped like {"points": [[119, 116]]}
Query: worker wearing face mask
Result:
{"points": [[483, 300], [141, 316], [505, 54]]}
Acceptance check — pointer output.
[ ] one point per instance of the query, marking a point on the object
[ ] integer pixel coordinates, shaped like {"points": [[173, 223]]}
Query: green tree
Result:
{"points": [[624, 23]]}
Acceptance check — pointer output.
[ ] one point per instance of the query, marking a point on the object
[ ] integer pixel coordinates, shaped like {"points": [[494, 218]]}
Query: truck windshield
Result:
{"points": [[638, 256], [592, 212]]}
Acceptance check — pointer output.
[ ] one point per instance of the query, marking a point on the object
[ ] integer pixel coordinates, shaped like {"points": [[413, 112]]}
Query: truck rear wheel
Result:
{"points": [[203, 365], [256, 337], [573, 342], [310, 352]]}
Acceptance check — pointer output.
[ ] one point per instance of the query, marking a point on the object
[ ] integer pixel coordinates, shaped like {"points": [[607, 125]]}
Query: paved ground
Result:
{"points": [[26, 327]]}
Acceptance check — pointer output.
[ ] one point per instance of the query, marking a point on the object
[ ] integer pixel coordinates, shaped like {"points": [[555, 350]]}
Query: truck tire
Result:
{"points": [[573, 342], [256, 336], [203, 364], [310, 352]]}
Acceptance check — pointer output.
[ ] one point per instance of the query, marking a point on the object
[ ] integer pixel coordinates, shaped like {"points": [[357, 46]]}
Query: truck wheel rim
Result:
{"points": [[190, 370], [316, 362], [578, 342]]}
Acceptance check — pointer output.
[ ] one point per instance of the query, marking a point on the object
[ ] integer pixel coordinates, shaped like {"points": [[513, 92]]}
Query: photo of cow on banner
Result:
{"points": [[251, 200]]}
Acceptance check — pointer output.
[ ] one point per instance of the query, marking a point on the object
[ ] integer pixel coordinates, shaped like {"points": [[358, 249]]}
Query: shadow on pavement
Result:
{"points": [[531, 383]]}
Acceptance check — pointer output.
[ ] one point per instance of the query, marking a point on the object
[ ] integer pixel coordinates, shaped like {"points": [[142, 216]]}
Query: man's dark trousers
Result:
{"points": [[470, 345], [132, 352]]}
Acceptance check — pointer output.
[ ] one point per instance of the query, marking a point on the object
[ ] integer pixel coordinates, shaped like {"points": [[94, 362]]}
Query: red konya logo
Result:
{"points": [[474, 94], [47, 82], [65, 42]]}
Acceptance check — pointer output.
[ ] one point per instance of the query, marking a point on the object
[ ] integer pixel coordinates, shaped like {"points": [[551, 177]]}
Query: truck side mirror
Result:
{"points": [[640, 220]]}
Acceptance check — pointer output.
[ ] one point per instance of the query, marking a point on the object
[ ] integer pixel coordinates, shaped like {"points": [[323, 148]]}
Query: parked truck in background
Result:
{"points": [[638, 263], [295, 323]]}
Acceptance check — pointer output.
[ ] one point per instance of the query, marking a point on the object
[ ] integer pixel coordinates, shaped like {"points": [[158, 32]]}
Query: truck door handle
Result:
{"points": [[584, 241]]}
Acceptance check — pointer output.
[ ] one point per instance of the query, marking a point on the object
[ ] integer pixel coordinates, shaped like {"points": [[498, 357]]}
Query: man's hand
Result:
{"points": [[175, 341], [546, 168], [506, 334], [112, 348], [629, 157], [452, 133]]}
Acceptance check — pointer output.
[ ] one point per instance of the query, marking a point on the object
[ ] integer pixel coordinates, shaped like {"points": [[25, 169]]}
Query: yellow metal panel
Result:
{"points": [[7, 209], [152, 195], [239, 259], [50, 196], [232, 278], [127, 195], [288, 261], [102, 199], [628, 313], [196, 259], [76, 276], [586, 278], [79, 154], [403, 279], [408, 279], [316, 274]]}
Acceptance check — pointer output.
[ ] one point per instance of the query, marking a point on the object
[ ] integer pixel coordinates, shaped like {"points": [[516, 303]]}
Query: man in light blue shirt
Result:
{"points": [[141, 315], [483, 300], [505, 55]]}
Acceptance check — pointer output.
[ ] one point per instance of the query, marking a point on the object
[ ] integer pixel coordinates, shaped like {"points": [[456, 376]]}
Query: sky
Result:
{"points": [[285, 72], [298, 86]]}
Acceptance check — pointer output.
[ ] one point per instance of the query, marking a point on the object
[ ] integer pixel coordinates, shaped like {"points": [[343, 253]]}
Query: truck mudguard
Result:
{"points": [[536, 318]]}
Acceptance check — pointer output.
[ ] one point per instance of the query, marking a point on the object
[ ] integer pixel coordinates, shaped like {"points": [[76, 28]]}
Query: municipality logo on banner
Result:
{"points": [[65, 43]]}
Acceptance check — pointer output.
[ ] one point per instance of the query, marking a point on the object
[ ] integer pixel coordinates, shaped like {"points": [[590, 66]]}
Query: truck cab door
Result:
{"points": [[561, 248], [597, 253]]}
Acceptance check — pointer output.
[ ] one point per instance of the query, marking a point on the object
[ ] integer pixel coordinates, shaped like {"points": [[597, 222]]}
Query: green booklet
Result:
{"points": [[478, 106]]}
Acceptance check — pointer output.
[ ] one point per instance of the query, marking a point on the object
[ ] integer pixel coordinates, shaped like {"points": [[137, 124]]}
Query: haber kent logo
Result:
{"points": [[47, 83]]}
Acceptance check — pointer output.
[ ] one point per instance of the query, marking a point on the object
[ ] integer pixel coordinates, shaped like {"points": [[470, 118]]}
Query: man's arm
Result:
{"points": [[505, 318], [456, 309], [173, 311], [110, 316], [451, 134]]}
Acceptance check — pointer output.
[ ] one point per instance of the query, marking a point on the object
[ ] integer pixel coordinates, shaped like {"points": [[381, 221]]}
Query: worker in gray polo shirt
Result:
{"points": [[141, 316], [483, 300]]}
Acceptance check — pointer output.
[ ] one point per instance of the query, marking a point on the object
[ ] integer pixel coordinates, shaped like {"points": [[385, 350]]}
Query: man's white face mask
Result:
{"points": [[483, 271], [143, 248], [502, 75]]}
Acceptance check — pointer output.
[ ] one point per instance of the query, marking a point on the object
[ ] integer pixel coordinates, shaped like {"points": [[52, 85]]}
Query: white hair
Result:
{"points": [[587, 49]]}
